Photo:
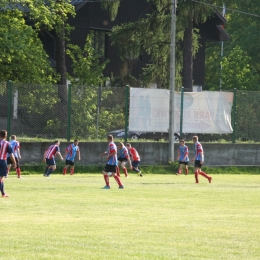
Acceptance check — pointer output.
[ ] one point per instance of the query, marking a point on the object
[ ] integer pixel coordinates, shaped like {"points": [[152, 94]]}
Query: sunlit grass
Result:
{"points": [[159, 216]]}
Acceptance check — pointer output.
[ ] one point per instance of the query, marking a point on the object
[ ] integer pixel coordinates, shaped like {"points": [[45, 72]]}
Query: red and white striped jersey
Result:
{"points": [[51, 151], [5, 148]]}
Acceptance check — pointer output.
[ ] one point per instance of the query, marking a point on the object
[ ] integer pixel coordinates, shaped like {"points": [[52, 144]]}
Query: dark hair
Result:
{"points": [[56, 141], [110, 137], [3, 134]]}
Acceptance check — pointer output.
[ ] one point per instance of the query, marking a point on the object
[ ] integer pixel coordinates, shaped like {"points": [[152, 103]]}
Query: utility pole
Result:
{"points": [[172, 81], [222, 51]]}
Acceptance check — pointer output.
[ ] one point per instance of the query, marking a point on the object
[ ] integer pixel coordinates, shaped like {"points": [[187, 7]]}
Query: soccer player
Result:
{"points": [[135, 158], [111, 165], [5, 148], [123, 159], [16, 151], [183, 157], [49, 156], [198, 160], [71, 152]]}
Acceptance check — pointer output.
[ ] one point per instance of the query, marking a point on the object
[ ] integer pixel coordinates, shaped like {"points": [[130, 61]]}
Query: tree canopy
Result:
{"points": [[22, 56]]}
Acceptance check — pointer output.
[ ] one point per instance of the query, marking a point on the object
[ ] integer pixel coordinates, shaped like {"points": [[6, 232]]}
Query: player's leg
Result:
{"points": [[72, 170], [196, 174], [124, 168], [3, 173], [135, 166], [186, 169], [205, 175], [46, 170], [72, 166], [118, 168], [106, 177], [180, 168], [9, 165], [18, 170], [117, 179], [65, 167], [52, 168]]}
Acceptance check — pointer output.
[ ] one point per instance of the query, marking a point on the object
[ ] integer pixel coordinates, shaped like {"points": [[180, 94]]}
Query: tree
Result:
{"points": [[151, 34], [92, 107], [22, 57], [240, 63]]}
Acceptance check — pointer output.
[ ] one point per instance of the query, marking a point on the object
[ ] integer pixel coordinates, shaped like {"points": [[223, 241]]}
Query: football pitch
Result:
{"points": [[158, 216]]}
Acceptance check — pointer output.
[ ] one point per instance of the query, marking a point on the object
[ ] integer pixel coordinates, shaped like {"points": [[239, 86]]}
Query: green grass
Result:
{"points": [[159, 216]]}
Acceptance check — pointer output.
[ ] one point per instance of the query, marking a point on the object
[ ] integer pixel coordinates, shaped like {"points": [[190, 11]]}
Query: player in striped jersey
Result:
{"points": [[111, 165], [5, 148], [16, 150], [183, 157], [135, 158], [49, 158], [123, 159], [198, 160], [71, 152]]}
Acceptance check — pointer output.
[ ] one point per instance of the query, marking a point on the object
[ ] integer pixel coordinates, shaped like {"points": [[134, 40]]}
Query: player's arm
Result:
{"points": [[78, 152], [129, 161], [178, 152], [18, 153], [105, 153], [201, 157], [44, 156], [13, 159], [112, 153], [185, 155], [59, 154]]}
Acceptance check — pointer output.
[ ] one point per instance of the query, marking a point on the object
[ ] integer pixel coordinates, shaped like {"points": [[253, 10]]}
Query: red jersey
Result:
{"points": [[134, 154]]}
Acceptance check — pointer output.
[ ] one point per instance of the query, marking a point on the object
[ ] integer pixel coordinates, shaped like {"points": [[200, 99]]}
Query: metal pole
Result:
{"points": [[234, 116], [98, 108], [9, 86], [222, 51], [126, 111], [69, 112], [172, 81], [181, 115]]}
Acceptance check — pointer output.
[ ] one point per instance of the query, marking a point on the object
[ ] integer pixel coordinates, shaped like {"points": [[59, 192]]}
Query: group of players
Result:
{"points": [[10, 155], [198, 159], [112, 167]]}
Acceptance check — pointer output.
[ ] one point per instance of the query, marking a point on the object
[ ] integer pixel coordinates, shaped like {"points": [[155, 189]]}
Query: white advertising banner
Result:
{"points": [[203, 112], [149, 110]]}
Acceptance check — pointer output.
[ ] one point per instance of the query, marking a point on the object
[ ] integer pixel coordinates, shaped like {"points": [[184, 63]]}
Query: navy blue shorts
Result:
{"points": [[9, 161], [110, 168], [122, 159], [50, 162], [185, 163], [135, 163], [197, 164], [3, 168], [71, 163]]}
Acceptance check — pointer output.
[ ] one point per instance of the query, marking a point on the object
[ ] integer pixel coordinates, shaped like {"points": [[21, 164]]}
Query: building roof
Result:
{"points": [[78, 3]]}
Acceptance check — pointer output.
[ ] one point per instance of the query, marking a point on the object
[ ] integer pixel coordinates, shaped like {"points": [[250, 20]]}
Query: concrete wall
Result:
{"points": [[152, 153]]}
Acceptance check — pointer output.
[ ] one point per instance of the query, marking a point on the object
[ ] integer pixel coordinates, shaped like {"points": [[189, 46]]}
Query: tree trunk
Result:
{"points": [[187, 72]]}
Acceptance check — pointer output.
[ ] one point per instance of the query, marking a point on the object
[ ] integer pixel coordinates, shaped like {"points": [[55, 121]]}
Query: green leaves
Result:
{"points": [[22, 57], [240, 63]]}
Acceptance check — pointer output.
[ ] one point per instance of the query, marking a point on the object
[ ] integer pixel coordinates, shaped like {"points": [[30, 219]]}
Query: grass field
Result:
{"points": [[158, 216]]}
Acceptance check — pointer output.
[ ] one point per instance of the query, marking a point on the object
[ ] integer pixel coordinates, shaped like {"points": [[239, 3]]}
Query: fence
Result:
{"points": [[89, 113]]}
